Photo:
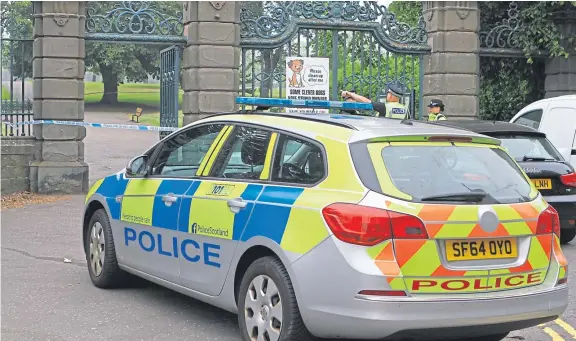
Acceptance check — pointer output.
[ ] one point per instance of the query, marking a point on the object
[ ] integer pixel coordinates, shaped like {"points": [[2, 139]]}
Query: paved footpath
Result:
{"points": [[44, 298]]}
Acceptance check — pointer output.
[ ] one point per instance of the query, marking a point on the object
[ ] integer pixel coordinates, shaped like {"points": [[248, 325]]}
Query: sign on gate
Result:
{"points": [[307, 78]]}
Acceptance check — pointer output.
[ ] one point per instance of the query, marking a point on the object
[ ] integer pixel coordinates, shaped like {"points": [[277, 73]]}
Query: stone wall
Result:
{"points": [[17, 153]]}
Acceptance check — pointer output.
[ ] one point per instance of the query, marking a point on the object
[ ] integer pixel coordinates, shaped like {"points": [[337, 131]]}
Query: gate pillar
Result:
{"points": [[451, 71], [210, 78], [561, 71], [58, 72]]}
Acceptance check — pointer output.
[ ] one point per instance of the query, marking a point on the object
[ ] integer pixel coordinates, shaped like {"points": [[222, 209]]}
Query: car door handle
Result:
{"points": [[236, 205], [169, 199]]}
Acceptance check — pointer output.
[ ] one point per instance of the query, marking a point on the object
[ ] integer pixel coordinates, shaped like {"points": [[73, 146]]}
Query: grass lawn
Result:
{"points": [[5, 93], [135, 93], [154, 119]]}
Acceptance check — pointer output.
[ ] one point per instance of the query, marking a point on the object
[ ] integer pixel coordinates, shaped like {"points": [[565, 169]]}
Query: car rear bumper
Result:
{"points": [[566, 207], [327, 290]]}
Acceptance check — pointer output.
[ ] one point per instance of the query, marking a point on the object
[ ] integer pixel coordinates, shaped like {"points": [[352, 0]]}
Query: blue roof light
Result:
{"points": [[298, 103]]}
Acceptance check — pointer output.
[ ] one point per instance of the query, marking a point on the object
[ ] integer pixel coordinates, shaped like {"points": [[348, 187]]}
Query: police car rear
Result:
{"points": [[451, 241], [553, 176]]}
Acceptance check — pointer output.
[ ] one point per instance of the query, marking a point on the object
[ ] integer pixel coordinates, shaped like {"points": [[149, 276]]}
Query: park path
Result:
{"points": [[108, 150]]}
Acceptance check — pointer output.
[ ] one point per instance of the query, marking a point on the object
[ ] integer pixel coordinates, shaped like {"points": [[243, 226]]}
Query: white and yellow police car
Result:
{"points": [[334, 226]]}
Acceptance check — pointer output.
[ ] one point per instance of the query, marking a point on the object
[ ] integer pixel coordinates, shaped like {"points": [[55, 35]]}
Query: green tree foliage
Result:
{"points": [[114, 61], [17, 31], [509, 84], [133, 62]]}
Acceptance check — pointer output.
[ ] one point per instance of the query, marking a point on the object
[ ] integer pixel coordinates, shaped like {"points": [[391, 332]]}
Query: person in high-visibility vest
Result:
{"points": [[394, 109], [436, 110], [391, 108]]}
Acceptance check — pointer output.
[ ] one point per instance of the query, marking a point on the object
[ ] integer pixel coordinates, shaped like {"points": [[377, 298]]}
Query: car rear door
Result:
{"points": [[469, 247], [216, 211]]}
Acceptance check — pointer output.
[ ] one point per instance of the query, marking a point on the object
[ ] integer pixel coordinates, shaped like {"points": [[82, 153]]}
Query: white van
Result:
{"points": [[556, 117]]}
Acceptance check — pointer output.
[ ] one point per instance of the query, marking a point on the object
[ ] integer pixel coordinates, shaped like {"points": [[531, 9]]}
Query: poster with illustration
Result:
{"points": [[307, 78]]}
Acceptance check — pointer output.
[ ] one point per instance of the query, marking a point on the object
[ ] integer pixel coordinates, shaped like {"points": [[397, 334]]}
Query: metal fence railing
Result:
{"points": [[16, 111]]}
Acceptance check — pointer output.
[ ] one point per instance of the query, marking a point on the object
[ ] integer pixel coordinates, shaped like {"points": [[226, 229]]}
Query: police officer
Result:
{"points": [[394, 109], [391, 108], [436, 110]]}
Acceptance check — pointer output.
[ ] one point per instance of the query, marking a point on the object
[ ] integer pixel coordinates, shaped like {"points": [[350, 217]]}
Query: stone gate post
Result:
{"points": [[210, 77], [561, 71], [451, 71], [58, 71]]}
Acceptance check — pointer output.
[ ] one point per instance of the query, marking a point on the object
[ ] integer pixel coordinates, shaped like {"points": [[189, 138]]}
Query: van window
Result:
{"points": [[531, 119], [429, 173]]}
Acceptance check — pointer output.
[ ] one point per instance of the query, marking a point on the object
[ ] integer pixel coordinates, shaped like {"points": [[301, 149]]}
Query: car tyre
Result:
{"points": [[266, 287], [100, 253], [567, 235]]}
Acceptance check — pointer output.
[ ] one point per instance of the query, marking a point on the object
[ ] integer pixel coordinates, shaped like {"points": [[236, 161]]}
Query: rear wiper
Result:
{"points": [[536, 158], [466, 197]]}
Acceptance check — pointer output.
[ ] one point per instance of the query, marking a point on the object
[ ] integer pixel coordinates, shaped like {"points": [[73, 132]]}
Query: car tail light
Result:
{"points": [[394, 293], [548, 222], [562, 281], [569, 179], [363, 225]]}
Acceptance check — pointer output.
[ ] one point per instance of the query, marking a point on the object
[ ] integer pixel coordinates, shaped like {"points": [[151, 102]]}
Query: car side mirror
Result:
{"points": [[137, 166]]}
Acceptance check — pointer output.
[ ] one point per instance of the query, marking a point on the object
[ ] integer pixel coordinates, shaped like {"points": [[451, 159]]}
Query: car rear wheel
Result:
{"points": [[566, 235], [267, 307], [100, 253]]}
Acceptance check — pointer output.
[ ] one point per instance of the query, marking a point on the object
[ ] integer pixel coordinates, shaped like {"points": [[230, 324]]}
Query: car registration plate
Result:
{"points": [[478, 249], [542, 183]]}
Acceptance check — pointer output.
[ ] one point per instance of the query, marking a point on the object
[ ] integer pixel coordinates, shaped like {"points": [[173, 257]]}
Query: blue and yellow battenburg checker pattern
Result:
{"points": [[289, 216]]}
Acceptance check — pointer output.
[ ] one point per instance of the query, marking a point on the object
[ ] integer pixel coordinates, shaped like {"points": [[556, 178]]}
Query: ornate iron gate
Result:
{"points": [[169, 85], [367, 47], [144, 22]]}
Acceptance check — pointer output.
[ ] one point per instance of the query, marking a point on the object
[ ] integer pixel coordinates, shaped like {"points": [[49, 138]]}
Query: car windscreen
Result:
{"points": [[526, 148], [449, 173]]}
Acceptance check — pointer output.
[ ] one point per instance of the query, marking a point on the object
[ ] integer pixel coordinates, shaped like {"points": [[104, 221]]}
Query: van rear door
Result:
{"points": [[559, 125]]}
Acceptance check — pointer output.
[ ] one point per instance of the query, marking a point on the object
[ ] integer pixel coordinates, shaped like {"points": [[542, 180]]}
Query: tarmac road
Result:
{"points": [[44, 298]]}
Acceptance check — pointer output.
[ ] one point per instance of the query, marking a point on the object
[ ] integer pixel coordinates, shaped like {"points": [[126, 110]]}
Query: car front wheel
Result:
{"points": [[101, 254], [267, 307]]}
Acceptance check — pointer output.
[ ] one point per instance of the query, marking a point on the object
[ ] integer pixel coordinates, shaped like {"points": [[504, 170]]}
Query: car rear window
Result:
{"points": [[425, 172], [526, 148]]}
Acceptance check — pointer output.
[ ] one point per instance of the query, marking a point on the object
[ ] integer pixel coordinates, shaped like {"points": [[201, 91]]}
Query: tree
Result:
{"points": [[16, 25], [115, 62], [509, 84]]}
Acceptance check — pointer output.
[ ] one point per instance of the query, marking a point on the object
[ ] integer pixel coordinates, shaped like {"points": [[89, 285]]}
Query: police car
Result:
{"points": [[333, 226]]}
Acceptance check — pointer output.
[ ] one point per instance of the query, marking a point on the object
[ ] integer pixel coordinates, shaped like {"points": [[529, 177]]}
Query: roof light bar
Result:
{"points": [[298, 103]]}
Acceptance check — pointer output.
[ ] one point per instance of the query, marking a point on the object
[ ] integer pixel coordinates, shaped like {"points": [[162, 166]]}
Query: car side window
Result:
{"points": [[298, 161], [243, 155], [531, 119], [181, 155]]}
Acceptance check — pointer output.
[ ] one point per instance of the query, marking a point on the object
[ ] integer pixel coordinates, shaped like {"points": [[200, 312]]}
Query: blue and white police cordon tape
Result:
{"points": [[254, 101], [93, 125]]}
